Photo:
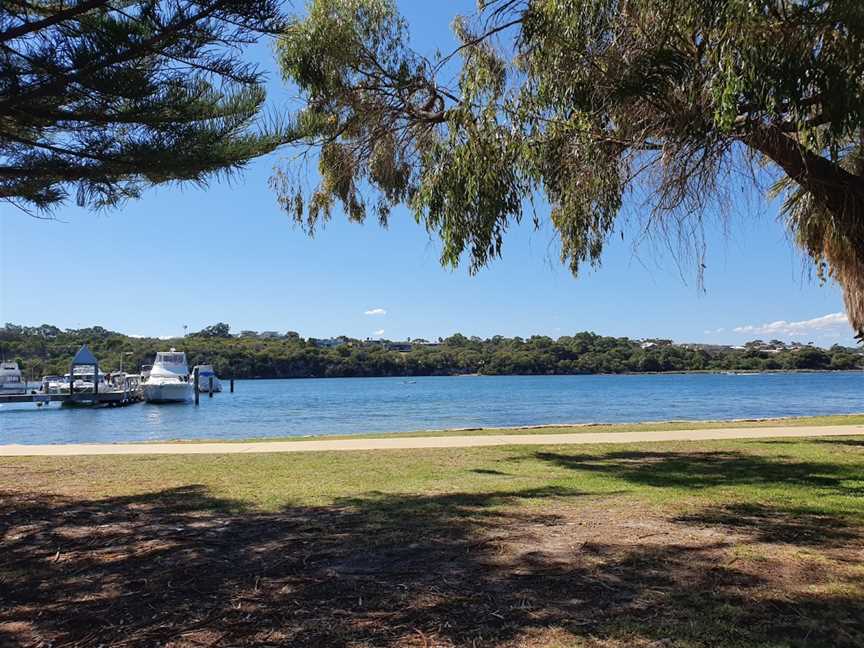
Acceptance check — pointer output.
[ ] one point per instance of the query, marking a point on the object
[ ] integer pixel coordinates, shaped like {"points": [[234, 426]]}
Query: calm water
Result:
{"points": [[266, 408]]}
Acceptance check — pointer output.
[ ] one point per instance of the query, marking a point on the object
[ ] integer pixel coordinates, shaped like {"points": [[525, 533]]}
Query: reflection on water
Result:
{"points": [[261, 408]]}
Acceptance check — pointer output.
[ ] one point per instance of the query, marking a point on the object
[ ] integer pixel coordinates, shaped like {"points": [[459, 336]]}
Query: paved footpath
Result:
{"points": [[401, 443]]}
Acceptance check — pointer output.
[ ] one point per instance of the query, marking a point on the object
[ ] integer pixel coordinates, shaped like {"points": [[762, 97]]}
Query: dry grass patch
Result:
{"points": [[681, 545]]}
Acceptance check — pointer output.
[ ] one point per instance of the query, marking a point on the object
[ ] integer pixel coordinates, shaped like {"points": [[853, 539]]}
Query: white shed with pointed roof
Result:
{"points": [[84, 358]]}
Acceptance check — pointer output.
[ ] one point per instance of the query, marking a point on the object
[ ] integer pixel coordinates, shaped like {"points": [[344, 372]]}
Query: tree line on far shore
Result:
{"points": [[48, 350]]}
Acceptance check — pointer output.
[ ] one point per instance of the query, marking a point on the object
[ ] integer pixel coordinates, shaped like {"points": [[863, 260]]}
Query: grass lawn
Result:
{"points": [[720, 543]]}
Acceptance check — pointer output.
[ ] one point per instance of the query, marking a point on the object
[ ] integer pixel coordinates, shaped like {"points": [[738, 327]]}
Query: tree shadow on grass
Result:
{"points": [[698, 470], [772, 524], [853, 443], [181, 567], [694, 471]]}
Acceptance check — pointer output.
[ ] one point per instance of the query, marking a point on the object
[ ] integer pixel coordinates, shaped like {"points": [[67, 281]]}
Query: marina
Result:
{"points": [[110, 398], [168, 380]]}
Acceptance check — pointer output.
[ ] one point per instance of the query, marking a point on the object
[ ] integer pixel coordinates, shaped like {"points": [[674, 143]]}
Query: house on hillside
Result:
{"points": [[402, 347], [332, 343], [654, 343], [707, 348], [327, 343]]}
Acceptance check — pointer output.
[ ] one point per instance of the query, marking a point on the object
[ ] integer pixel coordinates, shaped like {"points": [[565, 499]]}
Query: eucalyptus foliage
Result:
{"points": [[595, 104], [102, 98]]}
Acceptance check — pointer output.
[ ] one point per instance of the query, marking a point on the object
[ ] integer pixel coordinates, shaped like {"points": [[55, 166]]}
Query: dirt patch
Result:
{"points": [[179, 569]]}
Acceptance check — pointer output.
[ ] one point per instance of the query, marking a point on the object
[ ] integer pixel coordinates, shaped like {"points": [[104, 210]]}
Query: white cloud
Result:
{"points": [[831, 324], [378, 333], [713, 331], [375, 311]]}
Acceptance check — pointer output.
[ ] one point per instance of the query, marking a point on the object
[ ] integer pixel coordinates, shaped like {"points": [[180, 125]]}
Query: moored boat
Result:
{"points": [[54, 384], [205, 373], [11, 381], [85, 380], [168, 380]]}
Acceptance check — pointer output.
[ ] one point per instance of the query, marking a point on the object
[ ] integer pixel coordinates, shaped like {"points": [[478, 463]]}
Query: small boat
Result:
{"points": [[205, 373], [54, 384], [86, 380], [128, 382], [168, 380], [11, 381], [83, 379]]}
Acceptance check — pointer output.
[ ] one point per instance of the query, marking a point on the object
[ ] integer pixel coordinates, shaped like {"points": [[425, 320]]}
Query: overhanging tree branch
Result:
{"points": [[110, 100], [37, 25]]}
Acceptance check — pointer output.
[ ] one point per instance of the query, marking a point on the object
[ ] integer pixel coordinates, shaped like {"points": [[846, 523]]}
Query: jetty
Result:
{"points": [[125, 391], [114, 398], [85, 385]]}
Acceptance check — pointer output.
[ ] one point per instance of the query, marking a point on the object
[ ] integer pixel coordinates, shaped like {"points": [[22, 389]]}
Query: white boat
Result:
{"points": [[168, 381], [84, 379], [205, 373], [130, 382], [11, 381], [54, 384]]}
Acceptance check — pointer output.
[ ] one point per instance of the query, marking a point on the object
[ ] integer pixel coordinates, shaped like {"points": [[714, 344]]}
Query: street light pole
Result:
{"points": [[121, 359]]}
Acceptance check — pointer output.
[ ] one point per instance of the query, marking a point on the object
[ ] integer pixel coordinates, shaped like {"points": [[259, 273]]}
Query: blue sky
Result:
{"points": [[192, 256]]}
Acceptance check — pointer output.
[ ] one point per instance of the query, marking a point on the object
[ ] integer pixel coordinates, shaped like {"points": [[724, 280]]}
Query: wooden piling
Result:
{"points": [[195, 375], [210, 386], [232, 385]]}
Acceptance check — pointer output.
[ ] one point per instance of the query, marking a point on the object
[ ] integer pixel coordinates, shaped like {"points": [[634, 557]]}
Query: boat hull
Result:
{"points": [[204, 385], [178, 392]]}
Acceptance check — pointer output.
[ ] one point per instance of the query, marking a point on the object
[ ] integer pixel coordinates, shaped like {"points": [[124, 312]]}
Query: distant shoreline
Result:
{"points": [[47, 350]]}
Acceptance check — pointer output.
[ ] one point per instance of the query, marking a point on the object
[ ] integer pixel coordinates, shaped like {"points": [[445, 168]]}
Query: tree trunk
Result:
{"points": [[839, 192]]}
